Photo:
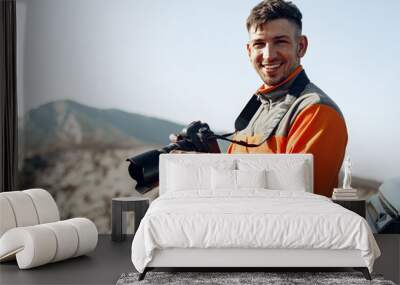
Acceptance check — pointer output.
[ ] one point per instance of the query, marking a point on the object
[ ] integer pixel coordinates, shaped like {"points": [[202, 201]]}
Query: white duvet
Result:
{"points": [[250, 219]]}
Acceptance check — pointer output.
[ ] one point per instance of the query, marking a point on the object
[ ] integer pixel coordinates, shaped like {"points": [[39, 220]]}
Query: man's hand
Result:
{"points": [[173, 138]]}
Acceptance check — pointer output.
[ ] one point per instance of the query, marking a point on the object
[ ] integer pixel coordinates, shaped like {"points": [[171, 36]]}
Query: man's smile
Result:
{"points": [[271, 67]]}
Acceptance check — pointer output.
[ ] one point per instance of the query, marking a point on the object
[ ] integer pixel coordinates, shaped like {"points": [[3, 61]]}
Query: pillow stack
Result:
{"points": [[290, 176], [185, 175], [230, 175]]}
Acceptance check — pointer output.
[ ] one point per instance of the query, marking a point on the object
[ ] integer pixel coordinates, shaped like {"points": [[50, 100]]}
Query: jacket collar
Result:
{"points": [[276, 92]]}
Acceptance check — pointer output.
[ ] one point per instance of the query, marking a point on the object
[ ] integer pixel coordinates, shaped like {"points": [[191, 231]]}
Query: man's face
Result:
{"points": [[275, 49]]}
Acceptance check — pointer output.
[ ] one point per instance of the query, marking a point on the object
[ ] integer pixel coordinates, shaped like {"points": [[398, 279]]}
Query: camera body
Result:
{"points": [[197, 137]]}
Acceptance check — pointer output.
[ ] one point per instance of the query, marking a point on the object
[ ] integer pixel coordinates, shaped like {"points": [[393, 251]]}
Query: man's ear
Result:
{"points": [[248, 50], [302, 46]]}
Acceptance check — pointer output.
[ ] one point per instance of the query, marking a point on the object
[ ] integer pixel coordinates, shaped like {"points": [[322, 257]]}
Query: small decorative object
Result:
{"points": [[346, 192], [347, 174]]}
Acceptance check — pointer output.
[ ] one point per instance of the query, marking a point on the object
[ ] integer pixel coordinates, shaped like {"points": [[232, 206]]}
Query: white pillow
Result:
{"points": [[183, 175], [251, 178], [223, 179], [237, 179], [293, 179], [281, 174]]}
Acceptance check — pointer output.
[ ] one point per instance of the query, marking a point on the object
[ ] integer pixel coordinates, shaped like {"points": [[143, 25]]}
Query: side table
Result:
{"points": [[121, 205], [358, 206]]}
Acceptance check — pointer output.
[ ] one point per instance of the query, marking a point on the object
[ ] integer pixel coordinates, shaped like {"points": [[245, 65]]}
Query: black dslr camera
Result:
{"points": [[197, 136]]}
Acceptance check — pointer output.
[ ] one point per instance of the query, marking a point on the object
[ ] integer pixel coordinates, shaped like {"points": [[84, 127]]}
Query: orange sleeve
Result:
{"points": [[321, 131]]}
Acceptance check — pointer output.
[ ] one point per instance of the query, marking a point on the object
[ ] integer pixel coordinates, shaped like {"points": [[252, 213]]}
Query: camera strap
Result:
{"points": [[254, 103]]}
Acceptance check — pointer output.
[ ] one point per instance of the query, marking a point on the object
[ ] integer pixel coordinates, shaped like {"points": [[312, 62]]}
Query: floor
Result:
{"points": [[110, 259], [103, 266]]}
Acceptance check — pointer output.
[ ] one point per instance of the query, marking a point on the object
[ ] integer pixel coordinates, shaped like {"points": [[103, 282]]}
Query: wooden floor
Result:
{"points": [[103, 266]]}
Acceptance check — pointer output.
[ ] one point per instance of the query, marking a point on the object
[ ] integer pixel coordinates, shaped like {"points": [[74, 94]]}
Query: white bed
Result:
{"points": [[201, 219]]}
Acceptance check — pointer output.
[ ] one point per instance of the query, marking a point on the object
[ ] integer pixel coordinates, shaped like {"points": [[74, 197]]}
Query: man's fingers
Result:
{"points": [[173, 138]]}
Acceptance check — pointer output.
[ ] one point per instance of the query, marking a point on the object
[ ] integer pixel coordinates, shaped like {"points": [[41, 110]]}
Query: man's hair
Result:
{"points": [[269, 10]]}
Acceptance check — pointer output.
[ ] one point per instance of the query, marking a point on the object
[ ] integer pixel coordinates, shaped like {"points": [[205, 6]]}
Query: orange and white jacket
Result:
{"points": [[313, 123]]}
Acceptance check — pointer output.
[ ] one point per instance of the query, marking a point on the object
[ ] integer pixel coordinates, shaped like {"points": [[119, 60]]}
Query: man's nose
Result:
{"points": [[269, 52]]}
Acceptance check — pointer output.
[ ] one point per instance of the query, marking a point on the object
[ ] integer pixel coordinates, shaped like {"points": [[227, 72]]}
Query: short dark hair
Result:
{"points": [[269, 10]]}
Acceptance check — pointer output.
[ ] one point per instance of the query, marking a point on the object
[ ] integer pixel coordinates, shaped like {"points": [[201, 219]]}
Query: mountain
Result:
{"points": [[66, 124]]}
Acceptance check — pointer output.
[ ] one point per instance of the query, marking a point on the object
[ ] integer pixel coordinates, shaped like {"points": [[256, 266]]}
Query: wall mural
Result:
{"points": [[102, 81]]}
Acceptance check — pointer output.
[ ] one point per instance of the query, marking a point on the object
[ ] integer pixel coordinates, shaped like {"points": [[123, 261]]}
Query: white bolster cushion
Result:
{"points": [[23, 208], [46, 207], [33, 246], [7, 219], [37, 245], [26, 208], [87, 234], [67, 240]]}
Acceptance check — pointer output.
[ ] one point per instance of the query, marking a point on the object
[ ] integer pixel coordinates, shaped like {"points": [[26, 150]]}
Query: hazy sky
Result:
{"points": [[186, 60]]}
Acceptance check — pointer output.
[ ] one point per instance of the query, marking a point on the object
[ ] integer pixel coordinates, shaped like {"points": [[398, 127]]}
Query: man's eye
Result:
{"points": [[281, 42], [258, 45]]}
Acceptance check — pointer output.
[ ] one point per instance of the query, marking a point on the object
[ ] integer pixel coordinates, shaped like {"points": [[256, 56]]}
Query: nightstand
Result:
{"points": [[357, 205], [120, 206]]}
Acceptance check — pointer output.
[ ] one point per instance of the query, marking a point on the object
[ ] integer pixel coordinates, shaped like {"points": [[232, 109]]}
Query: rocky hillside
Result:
{"points": [[78, 153]]}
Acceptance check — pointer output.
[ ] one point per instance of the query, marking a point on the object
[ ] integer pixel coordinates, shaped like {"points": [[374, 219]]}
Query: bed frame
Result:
{"points": [[248, 259]]}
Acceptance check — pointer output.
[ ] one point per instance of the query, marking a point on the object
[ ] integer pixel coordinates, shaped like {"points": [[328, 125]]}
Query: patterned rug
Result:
{"points": [[269, 278]]}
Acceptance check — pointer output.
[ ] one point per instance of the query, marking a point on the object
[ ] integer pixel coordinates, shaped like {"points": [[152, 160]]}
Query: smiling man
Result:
{"points": [[295, 116]]}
